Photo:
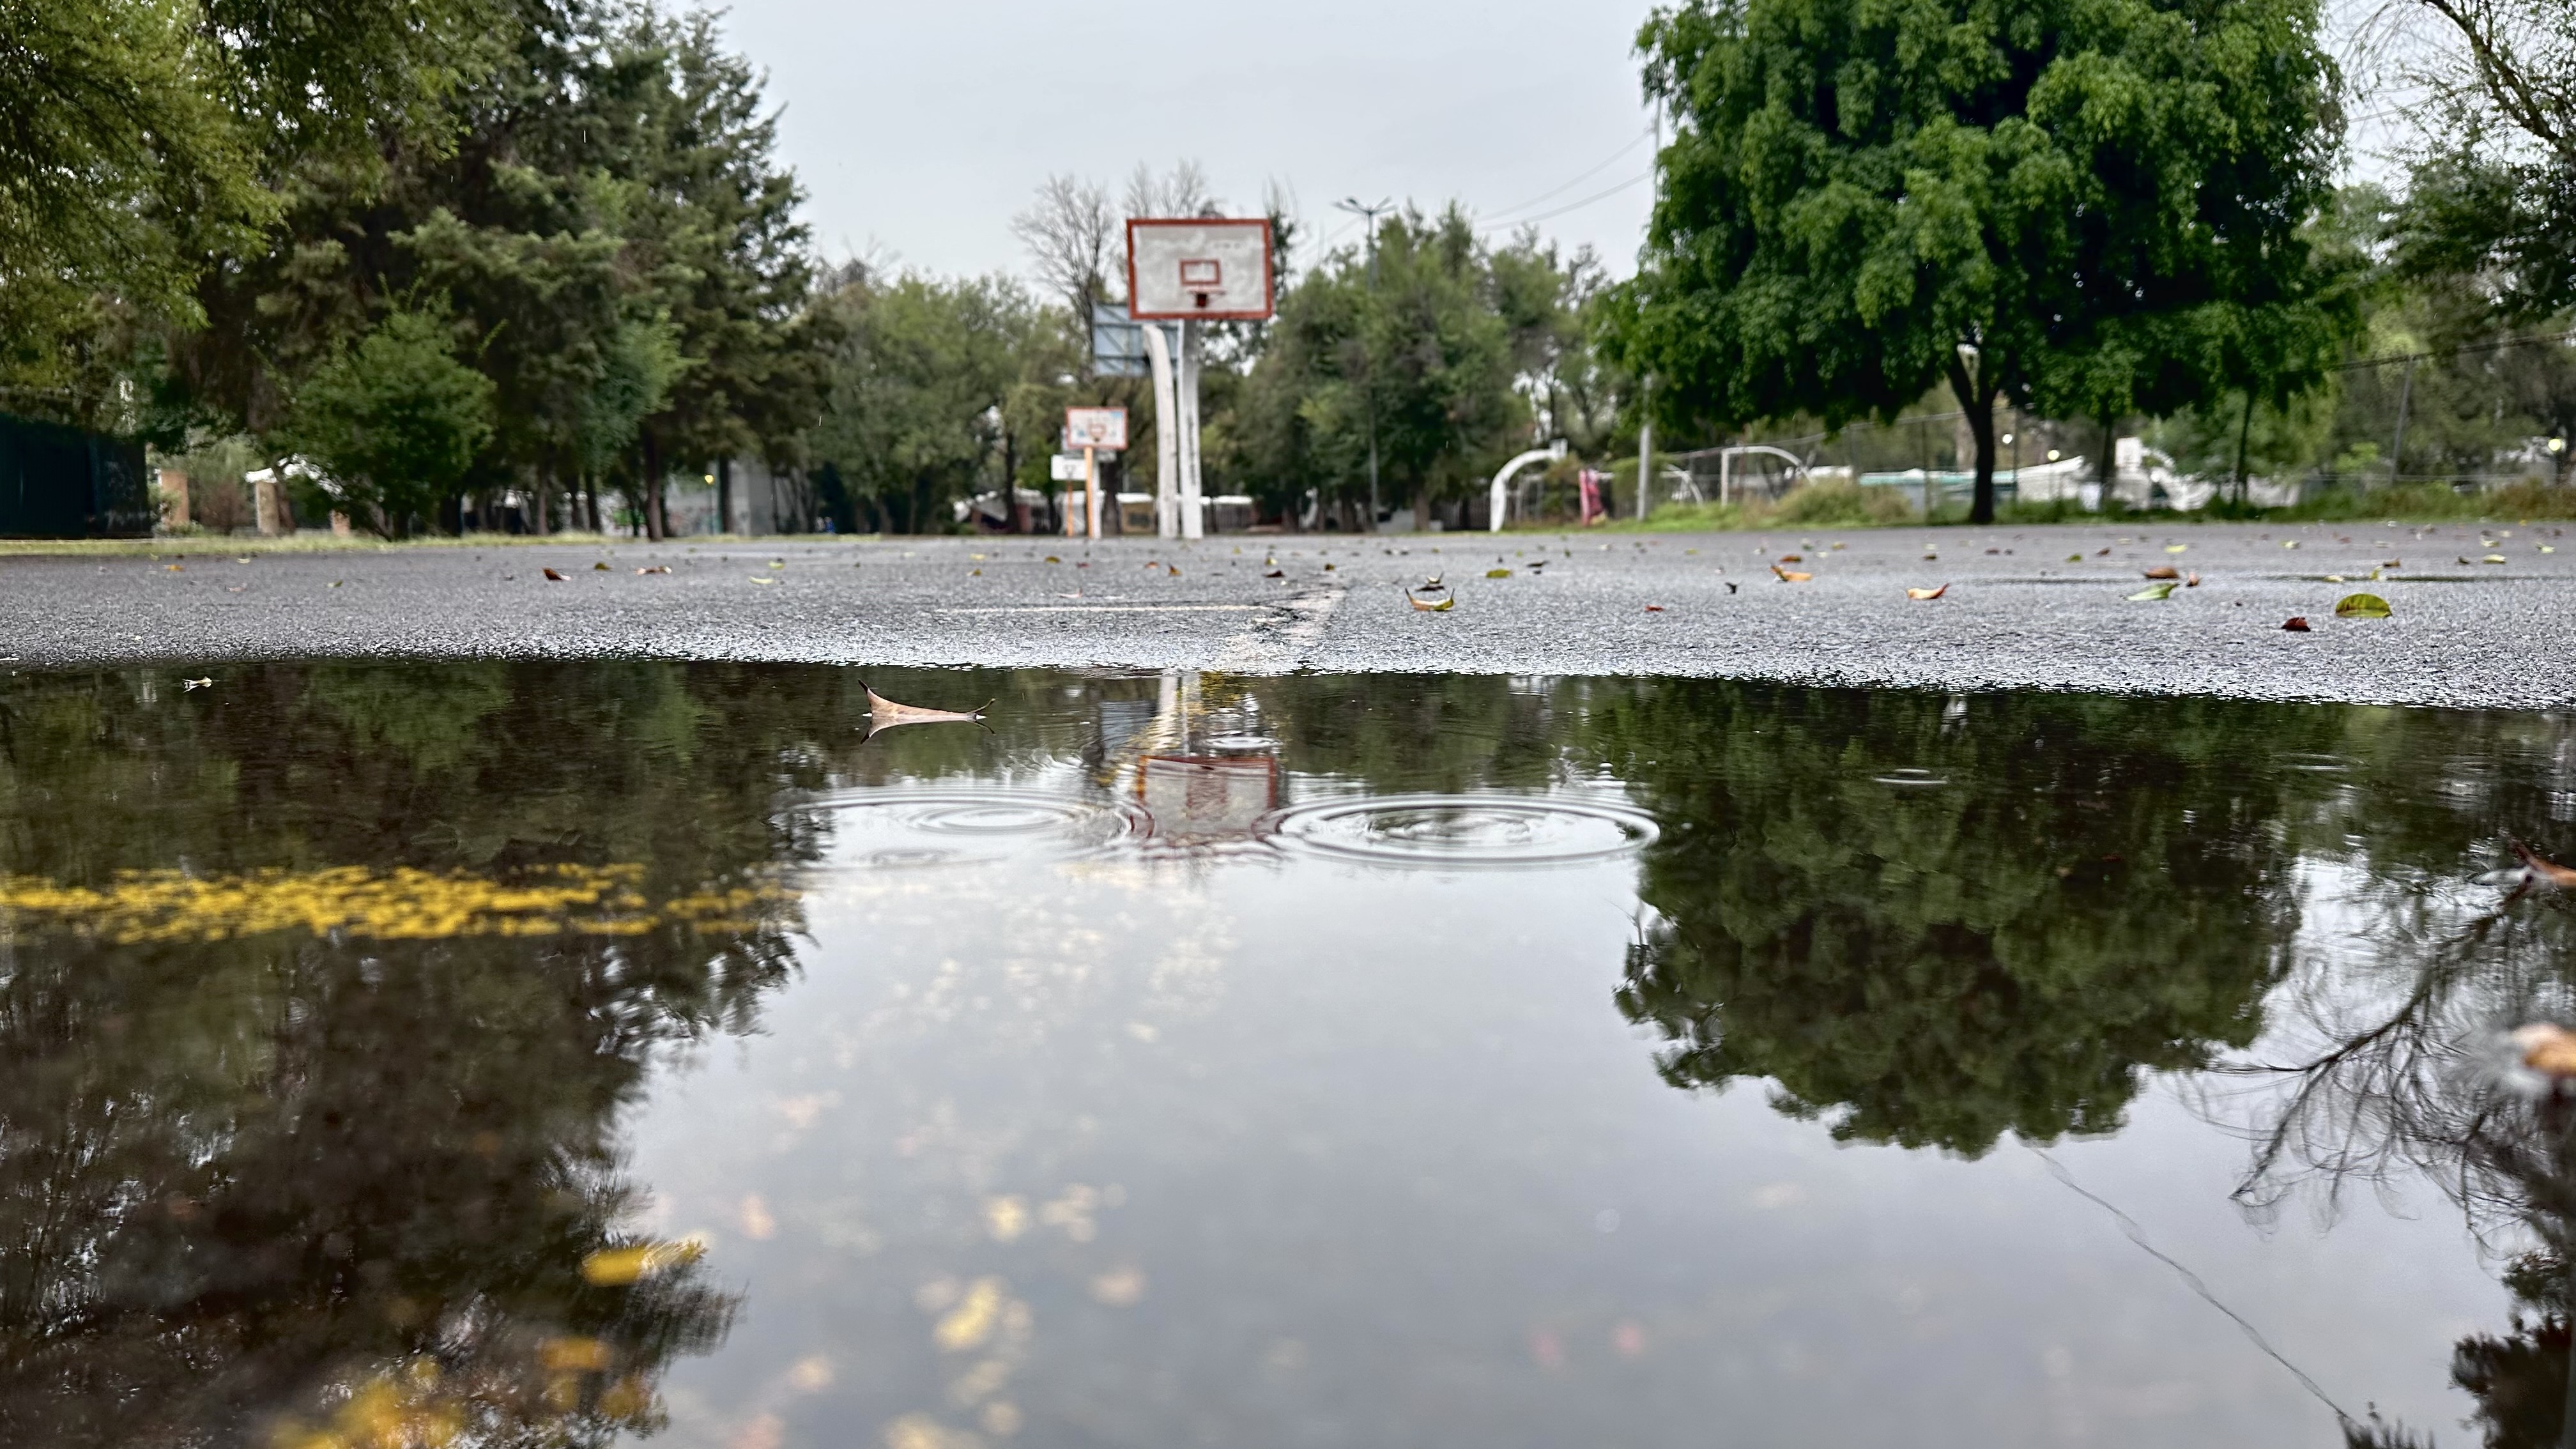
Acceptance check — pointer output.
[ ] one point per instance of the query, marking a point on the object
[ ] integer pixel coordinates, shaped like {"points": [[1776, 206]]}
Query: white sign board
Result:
{"points": [[1066, 468], [1104, 428], [1205, 267]]}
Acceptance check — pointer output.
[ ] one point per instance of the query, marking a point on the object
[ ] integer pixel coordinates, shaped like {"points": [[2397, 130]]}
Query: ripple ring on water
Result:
{"points": [[1454, 831], [902, 824]]}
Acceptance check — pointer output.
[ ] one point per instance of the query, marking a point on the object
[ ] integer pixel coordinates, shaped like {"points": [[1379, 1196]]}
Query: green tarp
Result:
{"points": [[59, 482]]}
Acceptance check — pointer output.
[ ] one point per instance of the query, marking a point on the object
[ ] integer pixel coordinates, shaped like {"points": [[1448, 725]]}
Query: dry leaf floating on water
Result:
{"points": [[884, 713], [2547, 1048]]}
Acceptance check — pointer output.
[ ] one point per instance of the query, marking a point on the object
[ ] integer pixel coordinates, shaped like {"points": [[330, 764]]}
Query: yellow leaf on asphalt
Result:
{"points": [[2361, 606], [2153, 592]]}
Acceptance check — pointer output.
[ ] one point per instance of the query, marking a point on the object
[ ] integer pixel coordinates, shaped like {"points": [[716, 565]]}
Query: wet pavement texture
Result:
{"points": [[2482, 617], [593, 1051]]}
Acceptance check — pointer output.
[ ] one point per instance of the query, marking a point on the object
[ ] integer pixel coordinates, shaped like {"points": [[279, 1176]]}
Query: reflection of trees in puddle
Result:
{"points": [[2421, 1082], [2093, 891], [311, 1122]]}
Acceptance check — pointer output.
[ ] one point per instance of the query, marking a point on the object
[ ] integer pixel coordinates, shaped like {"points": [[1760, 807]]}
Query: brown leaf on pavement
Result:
{"points": [[1790, 576], [1446, 603], [1927, 593], [2164, 571], [2298, 624], [558, 578]]}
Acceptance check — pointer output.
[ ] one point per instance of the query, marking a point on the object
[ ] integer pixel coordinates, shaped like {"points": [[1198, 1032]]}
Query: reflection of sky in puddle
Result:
{"points": [[1193, 1060]]}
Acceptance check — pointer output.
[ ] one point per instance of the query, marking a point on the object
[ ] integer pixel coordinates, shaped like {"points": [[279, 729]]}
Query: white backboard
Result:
{"points": [[1067, 468], [1104, 428], [1203, 267]]}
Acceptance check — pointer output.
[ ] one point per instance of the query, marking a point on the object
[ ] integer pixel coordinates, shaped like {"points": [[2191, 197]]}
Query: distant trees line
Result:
{"points": [[450, 250]]}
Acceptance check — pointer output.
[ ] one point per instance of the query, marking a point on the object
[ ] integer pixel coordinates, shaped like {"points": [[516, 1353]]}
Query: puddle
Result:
{"points": [[645, 1053]]}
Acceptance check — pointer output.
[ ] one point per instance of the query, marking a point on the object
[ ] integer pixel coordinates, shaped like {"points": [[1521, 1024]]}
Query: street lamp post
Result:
{"points": [[1368, 393]]}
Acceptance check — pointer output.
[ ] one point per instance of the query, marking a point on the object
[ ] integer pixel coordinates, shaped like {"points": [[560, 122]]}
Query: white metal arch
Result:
{"points": [[1503, 480]]}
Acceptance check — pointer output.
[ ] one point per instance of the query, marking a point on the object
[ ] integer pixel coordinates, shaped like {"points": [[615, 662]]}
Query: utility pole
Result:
{"points": [[1368, 393]]}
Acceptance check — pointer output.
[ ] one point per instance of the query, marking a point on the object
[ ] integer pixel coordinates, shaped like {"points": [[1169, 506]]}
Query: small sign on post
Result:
{"points": [[1102, 428], [1095, 431], [1065, 467]]}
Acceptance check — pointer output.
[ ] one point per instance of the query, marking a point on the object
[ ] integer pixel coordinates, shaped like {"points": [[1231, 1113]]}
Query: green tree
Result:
{"points": [[1422, 351], [395, 420], [142, 142], [2092, 206], [915, 416]]}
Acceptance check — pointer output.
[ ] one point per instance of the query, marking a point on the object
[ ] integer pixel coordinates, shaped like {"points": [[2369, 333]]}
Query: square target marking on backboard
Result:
{"points": [[1211, 268]]}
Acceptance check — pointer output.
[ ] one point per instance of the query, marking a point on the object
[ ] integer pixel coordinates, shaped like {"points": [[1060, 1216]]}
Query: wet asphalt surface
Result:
{"points": [[2033, 607]]}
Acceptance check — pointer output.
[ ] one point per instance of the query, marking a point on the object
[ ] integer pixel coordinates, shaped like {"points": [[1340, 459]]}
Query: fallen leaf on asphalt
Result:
{"points": [[1051, 558], [2298, 624], [1654, 608], [1730, 588], [2153, 592], [188, 684], [335, 583], [1790, 576], [2463, 558], [1328, 568], [2070, 558], [2102, 553], [1447, 602], [2361, 606], [657, 569], [2334, 578], [884, 713], [1498, 573], [2176, 547], [757, 579], [1927, 593], [599, 568], [2191, 581], [2164, 571], [550, 573], [175, 568], [1792, 558], [2392, 563], [2289, 543], [778, 563], [1276, 574], [2493, 558], [1432, 585], [2546, 548], [1176, 570]]}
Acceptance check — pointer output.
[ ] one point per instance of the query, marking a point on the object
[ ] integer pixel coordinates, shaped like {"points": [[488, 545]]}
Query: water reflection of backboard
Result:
{"points": [[1199, 799]]}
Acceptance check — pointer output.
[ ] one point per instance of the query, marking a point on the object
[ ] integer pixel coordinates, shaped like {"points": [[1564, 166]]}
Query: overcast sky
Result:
{"points": [[918, 129]]}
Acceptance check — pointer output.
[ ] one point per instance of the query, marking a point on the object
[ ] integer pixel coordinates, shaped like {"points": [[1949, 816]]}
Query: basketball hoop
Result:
{"points": [[1212, 269]]}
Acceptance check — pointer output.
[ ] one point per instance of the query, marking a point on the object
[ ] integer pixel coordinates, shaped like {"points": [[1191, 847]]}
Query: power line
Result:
{"points": [[1571, 205], [1578, 180], [2495, 346], [2138, 1235]]}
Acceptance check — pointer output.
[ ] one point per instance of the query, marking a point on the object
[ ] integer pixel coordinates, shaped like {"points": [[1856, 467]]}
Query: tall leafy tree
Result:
{"points": [[2091, 206], [143, 141], [919, 384], [1422, 348]]}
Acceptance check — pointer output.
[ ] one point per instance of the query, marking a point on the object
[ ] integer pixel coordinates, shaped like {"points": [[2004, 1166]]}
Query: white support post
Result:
{"points": [[1167, 435], [1193, 501], [1091, 492]]}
